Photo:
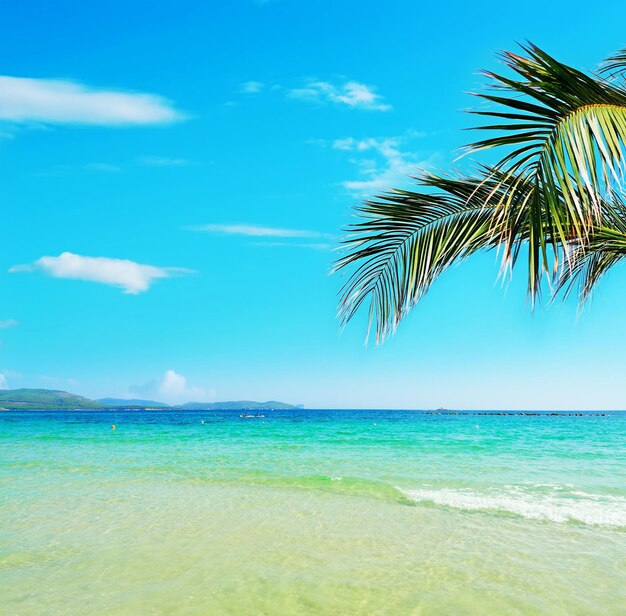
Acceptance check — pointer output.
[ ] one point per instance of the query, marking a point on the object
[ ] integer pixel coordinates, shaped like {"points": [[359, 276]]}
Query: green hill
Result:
{"points": [[44, 399], [48, 399]]}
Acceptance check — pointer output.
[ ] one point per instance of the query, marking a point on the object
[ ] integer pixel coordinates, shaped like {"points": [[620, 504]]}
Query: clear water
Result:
{"points": [[312, 512]]}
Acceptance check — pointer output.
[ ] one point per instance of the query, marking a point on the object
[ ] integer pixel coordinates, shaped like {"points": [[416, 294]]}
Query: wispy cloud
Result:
{"points": [[252, 87], [163, 161], [8, 323], [346, 93], [173, 388], [132, 277], [103, 167], [257, 231], [61, 170], [3, 382], [56, 101], [305, 245], [381, 163], [117, 167], [351, 94]]}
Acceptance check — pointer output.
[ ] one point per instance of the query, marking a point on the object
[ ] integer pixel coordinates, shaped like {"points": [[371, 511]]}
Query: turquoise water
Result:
{"points": [[312, 512]]}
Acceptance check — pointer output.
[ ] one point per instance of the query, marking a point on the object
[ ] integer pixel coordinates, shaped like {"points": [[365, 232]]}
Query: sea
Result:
{"points": [[312, 512]]}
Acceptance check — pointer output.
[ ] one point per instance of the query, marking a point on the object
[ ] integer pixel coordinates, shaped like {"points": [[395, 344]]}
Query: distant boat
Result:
{"points": [[248, 416]]}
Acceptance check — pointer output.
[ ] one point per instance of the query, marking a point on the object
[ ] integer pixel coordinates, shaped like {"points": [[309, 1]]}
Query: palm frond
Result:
{"points": [[615, 65], [407, 239], [562, 136], [562, 130], [590, 261]]}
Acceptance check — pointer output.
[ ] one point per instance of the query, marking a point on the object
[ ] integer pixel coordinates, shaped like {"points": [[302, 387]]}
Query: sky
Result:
{"points": [[175, 177]]}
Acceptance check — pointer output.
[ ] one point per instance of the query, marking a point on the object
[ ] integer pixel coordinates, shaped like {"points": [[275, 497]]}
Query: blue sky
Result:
{"points": [[175, 175]]}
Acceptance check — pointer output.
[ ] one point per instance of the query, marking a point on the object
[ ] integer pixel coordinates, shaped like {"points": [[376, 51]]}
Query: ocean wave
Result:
{"points": [[559, 506]]}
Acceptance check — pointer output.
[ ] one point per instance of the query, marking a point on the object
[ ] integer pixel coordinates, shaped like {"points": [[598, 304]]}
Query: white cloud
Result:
{"points": [[56, 101], [308, 245], [389, 167], [133, 277], [252, 87], [104, 167], [173, 388], [3, 382], [163, 161], [257, 231], [351, 93], [7, 323]]}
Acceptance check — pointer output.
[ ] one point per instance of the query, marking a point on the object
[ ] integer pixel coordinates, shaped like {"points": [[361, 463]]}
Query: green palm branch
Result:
{"points": [[562, 134], [604, 248], [408, 238], [615, 65]]}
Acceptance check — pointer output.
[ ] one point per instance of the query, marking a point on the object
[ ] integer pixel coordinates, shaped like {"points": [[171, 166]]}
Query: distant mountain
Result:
{"points": [[44, 399], [51, 400], [134, 403], [240, 405]]}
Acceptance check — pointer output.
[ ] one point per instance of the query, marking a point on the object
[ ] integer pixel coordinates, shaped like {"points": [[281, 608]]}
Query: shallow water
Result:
{"points": [[312, 512]]}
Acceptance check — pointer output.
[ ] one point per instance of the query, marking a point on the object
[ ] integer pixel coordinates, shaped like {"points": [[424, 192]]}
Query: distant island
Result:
{"points": [[43, 399], [53, 400]]}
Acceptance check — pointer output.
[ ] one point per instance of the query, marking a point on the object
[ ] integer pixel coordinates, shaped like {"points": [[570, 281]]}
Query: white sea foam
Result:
{"points": [[586, 508]]}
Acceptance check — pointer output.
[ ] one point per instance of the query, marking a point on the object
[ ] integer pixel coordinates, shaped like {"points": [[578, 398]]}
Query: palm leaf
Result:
{"points": [[564, 131], [614, 66], [408, 238], [605, 247], [562, 135]]}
